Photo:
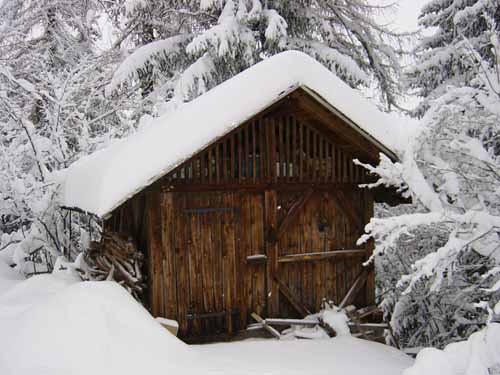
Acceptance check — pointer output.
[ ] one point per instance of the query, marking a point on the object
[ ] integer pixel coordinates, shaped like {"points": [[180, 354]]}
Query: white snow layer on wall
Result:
{"points": [[102, 181]]}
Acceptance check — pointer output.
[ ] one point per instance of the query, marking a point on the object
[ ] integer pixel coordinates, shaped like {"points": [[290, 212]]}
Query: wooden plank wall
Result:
{"points": [[198, 248], [199, 244]]}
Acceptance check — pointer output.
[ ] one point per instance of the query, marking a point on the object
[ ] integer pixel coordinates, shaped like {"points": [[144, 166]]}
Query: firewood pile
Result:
{"points": [[117, 258]]}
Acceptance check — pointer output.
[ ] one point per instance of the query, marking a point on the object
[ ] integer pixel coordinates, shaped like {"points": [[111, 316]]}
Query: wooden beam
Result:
{"points": [[266, 326], [292, 322], [355, 288], [294, 212], [175, 186], [364, 312], [345, 205], [271, 220], [309, 257], [342, 131], [294, 301], [256, 258]]}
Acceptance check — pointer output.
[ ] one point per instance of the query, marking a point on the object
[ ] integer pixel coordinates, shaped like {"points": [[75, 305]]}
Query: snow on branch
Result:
{"points": [[147, 54], [341, 64]]}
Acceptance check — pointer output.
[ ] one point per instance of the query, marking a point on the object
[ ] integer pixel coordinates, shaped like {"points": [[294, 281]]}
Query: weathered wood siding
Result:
{"points": [[282, 149]]}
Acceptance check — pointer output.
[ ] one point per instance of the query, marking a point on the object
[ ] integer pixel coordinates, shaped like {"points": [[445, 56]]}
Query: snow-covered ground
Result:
{"points": [[54, 324]]}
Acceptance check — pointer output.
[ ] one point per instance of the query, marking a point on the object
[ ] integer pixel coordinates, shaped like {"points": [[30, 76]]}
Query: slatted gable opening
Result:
{"points": [[266, 149]]}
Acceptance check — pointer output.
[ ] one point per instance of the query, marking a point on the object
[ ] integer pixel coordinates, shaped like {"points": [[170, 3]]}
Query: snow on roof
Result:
{"points": [[100, 182]]}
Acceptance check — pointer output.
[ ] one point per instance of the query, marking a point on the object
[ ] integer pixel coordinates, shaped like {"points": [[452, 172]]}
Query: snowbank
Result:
{"points": [[340, 355], [54, 324], [102, 181], [8, 277], [479, 355]]}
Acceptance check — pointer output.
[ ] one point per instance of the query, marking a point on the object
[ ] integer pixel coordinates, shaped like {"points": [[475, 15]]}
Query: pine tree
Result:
{"points": [[450, 287], [183, 48], [440, 62]]}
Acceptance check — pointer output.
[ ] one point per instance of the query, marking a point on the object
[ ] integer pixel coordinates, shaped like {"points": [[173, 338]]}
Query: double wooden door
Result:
{"points": [[228, 254]]}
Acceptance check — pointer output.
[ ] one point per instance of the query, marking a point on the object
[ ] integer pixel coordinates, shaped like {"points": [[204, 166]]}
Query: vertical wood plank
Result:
{"points": [[224, 161], [168, 232], [244, 250], [181, 264], [351, 168], [155, 252], [301, 149], [272, 148], [280, 155], [294, 148], [218, 260], [202, 168], [239, 145], [259, 282], [270, 169], [288, 137], [209, 165], [339, 166], [345, 167], [217, 162], [228, 260], [321, 158], [232, 157], [314, 155], [241, 227], [254, 153], [193, 245], [307, 169], [247, 168], [324, 167], [270, 209], [262, 150], [334, 162]]}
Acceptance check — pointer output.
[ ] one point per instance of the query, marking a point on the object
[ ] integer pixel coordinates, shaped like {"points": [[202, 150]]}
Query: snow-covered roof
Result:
{"points": [[100, 182]]}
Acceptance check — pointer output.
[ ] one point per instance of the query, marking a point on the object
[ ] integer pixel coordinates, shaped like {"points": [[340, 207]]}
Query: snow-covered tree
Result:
{"points": [[449, 284], [52, 110], [183, 48], [439, 57]]}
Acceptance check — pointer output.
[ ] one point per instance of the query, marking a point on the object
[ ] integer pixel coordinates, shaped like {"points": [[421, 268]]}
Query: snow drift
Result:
{"points": [[478, 355], [54, 324]]}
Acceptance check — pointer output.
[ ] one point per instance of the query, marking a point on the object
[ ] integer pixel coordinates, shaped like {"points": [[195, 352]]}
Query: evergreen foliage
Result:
{"points": [[440, 60], [445, 251], [52, 111], [206, 42]]}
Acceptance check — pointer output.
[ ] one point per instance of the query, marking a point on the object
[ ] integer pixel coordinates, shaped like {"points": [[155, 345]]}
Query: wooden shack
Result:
{"points": [[264, 217]]}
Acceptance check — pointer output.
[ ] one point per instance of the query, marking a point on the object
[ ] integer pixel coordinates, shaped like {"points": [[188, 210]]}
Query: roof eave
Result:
{"points": [[391, 154]]}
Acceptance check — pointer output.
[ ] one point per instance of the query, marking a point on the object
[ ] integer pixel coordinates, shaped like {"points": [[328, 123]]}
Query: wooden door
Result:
{"points": [[219, 277], [317, 253], [206, 228]]}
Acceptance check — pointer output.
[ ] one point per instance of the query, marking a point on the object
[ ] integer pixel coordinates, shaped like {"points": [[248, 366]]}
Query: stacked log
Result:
{"points": [[117, 258]]}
